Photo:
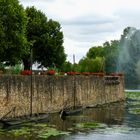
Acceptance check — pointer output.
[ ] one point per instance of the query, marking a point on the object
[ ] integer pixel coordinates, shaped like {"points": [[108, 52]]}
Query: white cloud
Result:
{"points": [[86, 23]]}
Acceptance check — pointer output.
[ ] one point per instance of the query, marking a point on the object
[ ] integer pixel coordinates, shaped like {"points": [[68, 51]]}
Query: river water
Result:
{"points": [[118, 121]]}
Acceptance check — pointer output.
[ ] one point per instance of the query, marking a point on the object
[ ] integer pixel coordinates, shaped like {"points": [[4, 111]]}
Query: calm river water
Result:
{"points": [[119, 121]]}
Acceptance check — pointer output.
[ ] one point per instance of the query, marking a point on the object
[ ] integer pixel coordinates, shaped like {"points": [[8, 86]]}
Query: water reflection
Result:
{"points": [[119, 123], [109, 114]]}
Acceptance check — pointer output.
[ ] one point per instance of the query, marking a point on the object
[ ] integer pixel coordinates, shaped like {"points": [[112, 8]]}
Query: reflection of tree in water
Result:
{"points": [[110, 114]]}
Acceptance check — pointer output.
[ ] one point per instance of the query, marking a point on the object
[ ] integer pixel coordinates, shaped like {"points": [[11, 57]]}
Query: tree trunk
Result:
{"points": [[26, 63]]}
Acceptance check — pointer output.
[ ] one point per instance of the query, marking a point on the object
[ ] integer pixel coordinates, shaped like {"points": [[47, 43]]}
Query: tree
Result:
{"points": [[91, 65], [66, 67], [46, 40], [96, 51], [110, 53], [13, 22], [52, 46]]}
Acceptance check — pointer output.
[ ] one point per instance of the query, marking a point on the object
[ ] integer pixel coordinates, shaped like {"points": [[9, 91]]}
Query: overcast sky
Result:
{"points": [[86, 23]]}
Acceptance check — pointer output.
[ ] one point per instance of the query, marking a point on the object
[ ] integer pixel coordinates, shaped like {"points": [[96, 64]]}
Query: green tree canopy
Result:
{"points": [[66, 67], [95, 52], [91, 65], [46, 40], [12, 31], [110, 53]]}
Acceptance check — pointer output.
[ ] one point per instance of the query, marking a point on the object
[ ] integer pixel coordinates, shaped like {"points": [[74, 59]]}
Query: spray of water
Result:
{"points": [[124, 55], [138, 71], [129, 56]]}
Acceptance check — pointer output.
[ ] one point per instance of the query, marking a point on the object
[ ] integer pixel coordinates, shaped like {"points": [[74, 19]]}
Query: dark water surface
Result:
{"points": [[119, 121]]}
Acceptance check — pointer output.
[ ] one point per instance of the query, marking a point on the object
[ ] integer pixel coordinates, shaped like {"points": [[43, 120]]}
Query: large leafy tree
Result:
{"points": [[46, 40], [91, 65], [12, 31], [96, 51], [110, 53]]}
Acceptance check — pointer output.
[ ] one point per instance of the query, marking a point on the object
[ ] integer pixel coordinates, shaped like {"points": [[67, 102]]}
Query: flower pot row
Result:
{"points": [[116, 74], [26, 72], [48, 72], [52, 72], [86, 73]]}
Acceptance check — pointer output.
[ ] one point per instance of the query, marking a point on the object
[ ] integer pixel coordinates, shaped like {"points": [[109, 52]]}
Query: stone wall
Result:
{"points": [[52, 93]]}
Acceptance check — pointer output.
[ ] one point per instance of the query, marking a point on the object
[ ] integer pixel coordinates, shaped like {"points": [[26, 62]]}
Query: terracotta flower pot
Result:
{"points": [[26, 72], [50, 72], [71, 73]]}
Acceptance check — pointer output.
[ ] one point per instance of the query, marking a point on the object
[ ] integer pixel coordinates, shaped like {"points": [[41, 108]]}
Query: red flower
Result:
{"points": [[26, 72], [71, 73], [50, 72]]}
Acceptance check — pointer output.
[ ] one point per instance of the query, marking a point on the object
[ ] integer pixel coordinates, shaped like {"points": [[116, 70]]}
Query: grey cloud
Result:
{"points": [[88, 33], [88, 20], [128, 18], [89, 28], [128, 13]]}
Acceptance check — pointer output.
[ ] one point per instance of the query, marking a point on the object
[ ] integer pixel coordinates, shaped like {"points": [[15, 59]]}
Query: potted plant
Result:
{"points": [[26, 72], [51, 72]]}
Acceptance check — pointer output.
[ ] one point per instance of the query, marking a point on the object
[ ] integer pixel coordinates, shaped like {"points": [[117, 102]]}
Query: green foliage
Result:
{"points": [[47, 39], [66, 67], [110, 52], [16, 69], [91, 65], [24, 30], [75, 68], [12, 31], [95, 52]]}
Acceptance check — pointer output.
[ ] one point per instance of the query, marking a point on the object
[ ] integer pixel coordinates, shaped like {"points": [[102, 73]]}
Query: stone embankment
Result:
{"points": [[52, 93]]}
